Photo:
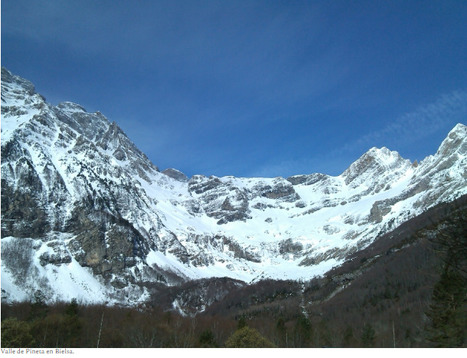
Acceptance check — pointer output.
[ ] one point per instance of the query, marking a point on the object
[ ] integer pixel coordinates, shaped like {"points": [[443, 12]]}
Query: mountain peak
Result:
{"points": [[459, 128], [456, 141], [374, 163], [383, 155], [71, 107], [8, 77]]}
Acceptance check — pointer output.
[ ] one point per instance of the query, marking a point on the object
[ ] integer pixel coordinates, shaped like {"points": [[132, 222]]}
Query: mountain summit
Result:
{"points": [[86, 215]]}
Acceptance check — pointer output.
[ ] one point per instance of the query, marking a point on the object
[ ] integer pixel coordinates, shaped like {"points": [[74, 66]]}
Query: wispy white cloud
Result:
{"points": [[447, 110], [406, 130]]}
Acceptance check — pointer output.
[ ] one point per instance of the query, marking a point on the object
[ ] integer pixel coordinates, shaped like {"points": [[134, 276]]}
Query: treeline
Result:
{"points": [[386, 316], [77, 326], [92, 326]]}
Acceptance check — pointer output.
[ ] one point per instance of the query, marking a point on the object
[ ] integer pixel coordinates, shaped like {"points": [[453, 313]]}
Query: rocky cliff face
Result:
{"points": [[85, 214]]}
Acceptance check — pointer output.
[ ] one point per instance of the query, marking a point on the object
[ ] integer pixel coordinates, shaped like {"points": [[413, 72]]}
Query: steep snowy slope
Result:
{"points": [[85, 214]]}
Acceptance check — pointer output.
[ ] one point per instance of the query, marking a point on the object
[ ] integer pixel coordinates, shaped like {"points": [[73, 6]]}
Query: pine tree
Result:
{"points": [[241, 322], [368, 336], [72, 325], [207, 340], [302, 331]]}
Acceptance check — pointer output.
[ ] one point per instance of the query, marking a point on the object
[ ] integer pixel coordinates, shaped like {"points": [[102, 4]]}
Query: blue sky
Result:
{"points": [[251, 88]]}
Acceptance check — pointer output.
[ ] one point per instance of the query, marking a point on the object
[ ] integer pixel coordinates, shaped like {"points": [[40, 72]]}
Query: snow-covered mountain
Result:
{"points": [[86, 215]]}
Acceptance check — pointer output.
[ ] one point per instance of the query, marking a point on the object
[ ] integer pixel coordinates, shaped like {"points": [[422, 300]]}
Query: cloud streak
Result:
{"points": [[402, 133], [447, 110]]}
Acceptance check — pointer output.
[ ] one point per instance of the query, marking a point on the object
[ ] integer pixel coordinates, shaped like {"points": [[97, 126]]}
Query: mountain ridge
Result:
{"points": [[99, 218]]}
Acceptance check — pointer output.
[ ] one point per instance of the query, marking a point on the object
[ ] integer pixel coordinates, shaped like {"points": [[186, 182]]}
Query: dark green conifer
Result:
{"points": [[207, 340], [368, 336]]}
